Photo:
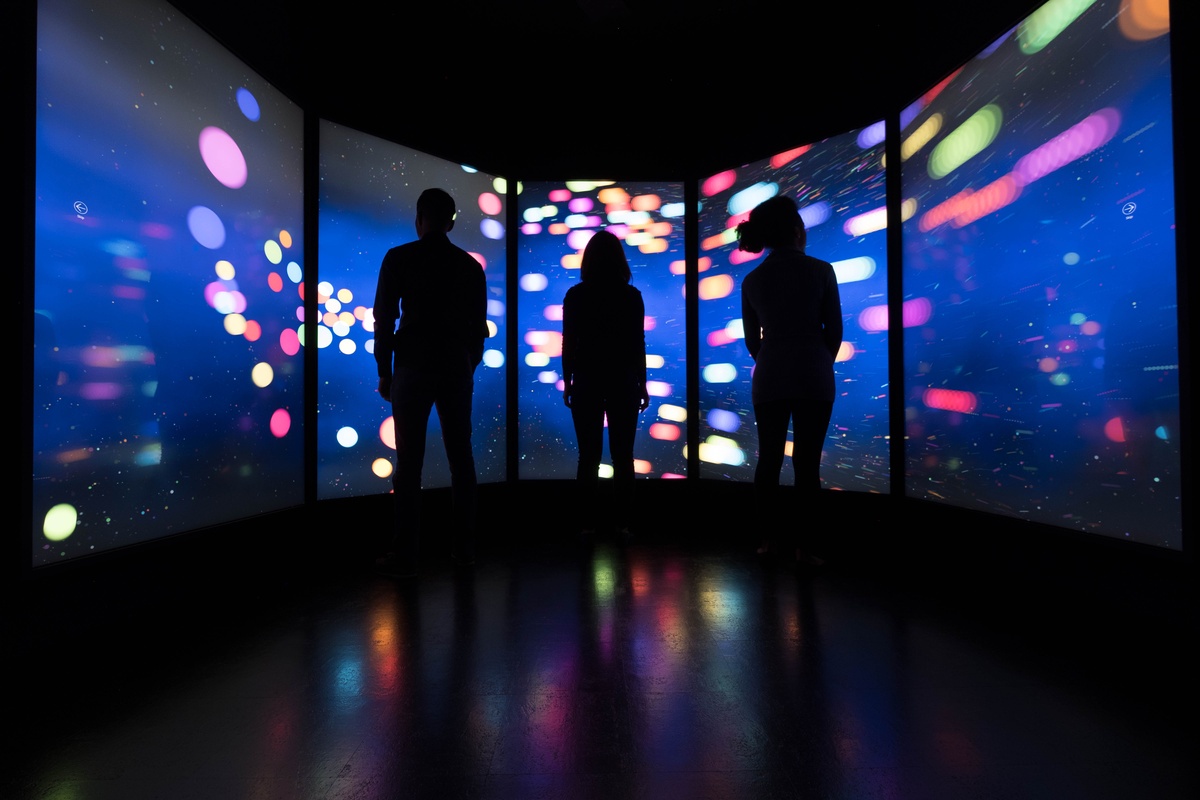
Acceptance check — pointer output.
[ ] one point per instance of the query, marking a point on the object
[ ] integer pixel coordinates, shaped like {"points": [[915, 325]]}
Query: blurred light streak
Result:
{"points": [[1047, 22], [950, 400], [966, 141]]}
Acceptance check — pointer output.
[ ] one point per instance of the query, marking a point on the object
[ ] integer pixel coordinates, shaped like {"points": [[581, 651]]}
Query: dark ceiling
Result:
{"points": [[650, 89]]}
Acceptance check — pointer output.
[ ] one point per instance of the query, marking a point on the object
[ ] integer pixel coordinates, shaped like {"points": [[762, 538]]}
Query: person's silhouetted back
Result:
{"points": [[604, 372], [439, 294], [792, 318]]}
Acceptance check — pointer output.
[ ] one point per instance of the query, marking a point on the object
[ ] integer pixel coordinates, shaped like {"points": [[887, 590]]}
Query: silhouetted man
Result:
{"points": [[439, 293]]}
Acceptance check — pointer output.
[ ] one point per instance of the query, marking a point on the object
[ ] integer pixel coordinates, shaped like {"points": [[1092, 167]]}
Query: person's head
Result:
{"points": [[604, 259], [435, 212], [773, 223]]}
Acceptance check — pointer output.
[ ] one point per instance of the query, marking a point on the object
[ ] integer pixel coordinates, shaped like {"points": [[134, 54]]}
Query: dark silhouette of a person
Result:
{"points": [[604, 373], [438, 292], [792, 318]]}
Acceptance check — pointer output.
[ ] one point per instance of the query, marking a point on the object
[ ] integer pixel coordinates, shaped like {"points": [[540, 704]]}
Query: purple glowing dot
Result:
{"points": [[206, 227]]}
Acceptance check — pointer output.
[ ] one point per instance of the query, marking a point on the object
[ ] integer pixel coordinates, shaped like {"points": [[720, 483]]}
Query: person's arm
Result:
{"points": [[831, 314], [568, 347], [751, 327], [385, 310], [640, 351], [481, 316]]}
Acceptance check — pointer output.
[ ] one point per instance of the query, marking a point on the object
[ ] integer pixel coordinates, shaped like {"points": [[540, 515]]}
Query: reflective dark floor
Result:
{"points": [[675, 666]]}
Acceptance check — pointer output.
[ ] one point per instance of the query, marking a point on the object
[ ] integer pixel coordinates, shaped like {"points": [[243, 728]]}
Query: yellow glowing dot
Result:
{"points": [[60, 522], [345, 295], [272, 251], [381, 467], [262, 374], [673, 413], [225, 270], [235, 324], [285, 238]]}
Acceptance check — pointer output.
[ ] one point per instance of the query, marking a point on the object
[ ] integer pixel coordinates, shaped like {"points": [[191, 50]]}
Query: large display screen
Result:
{"points": [[840, 187], [368, 204], [1040, 347], [169, 278], [557, 220]]}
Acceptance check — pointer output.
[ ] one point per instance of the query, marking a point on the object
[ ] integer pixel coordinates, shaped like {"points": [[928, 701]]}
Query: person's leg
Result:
{"points": [[771, 419], [622, 430], [412, 400], [454, 413], [588, 418], [810, 426]]}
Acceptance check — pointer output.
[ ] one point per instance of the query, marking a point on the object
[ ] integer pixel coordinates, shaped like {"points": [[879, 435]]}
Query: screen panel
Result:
{"points": [[1040, 310], [557, 219], [368, 204], [839, 183], [168, 272]]}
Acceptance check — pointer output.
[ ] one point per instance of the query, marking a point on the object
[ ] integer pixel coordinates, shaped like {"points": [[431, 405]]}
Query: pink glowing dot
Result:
{"points": [[718, 183], [1114, 429], [387, 433], [490, 204], [479, 257], [289, 341], [560, 195], [281, 423], [253, 331], [275, 281], [223, 157], [743, 256]]}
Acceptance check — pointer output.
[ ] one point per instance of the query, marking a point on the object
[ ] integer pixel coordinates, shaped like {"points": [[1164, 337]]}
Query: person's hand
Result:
{"points": [[644, 401], [385, 388]]}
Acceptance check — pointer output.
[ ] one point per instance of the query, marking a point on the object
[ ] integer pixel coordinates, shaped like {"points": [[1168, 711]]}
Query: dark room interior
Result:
{"points": [[941, 652]]}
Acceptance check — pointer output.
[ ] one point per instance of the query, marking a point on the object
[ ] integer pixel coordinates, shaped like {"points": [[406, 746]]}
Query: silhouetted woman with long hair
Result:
{"points": [[792, 317], [604, 372]]}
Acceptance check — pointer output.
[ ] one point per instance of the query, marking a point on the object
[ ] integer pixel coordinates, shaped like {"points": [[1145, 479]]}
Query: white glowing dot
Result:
{"points": [[273, 251], [536, 359], [347, 346], [493, 358], [534, 282], [654, 362], [340, 328], [719, 373], [548, 376], [294, 273], [605, 471], [324, 336], [60, 522], [333, 304], [262, 374], [734, 329], [1070, 259], [492, 329], [347, 436], [495, 308]]}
